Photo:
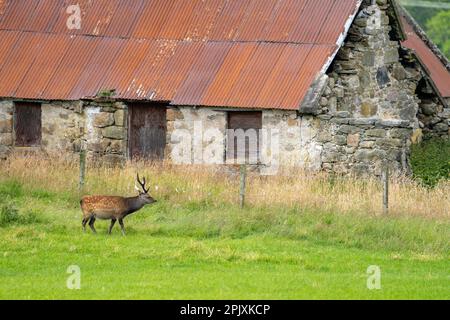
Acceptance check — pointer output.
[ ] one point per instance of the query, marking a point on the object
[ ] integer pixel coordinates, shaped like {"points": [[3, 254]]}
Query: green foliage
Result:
{"points": [[430, 161], [422, 15], [435, 22], [42, 194], [11, 189], [438, 29], [10, 215], [106, 93]]}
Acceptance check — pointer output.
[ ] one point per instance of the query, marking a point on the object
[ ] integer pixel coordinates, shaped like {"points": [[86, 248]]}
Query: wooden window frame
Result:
{"points": [[258, 126]]}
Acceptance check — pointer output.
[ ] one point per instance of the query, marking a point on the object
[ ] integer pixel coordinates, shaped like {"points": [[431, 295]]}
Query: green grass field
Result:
{"points": [[200, 250]]}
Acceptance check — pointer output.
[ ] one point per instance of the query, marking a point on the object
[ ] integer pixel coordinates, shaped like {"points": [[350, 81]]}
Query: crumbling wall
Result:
{"points": [[369, 107], [99, 127], [199, 136], [195, 135], [106, 131], [6, 128], [433, 116], [62, 127], [290, 140]]}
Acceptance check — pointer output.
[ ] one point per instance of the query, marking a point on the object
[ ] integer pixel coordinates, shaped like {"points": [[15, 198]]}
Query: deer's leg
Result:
{"points": [[91, 224], [122, 227], [85, 220], [113, 221]]}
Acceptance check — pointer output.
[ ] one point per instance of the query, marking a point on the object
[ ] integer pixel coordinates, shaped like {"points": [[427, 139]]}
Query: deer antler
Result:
{"points": [[142, 183]]}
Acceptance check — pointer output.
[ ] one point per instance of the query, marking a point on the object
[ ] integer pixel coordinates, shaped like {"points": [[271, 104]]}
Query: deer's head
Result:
{"points": [[144, 196]]}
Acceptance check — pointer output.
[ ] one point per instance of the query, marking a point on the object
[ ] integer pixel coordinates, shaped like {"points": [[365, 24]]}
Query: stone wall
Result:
{"points": [[369, 107], [6, 128], [292, 141], [106, 131], [195, 135], [100, 127], [361, 145], [198, 136], [62, 127], [433, 116]]}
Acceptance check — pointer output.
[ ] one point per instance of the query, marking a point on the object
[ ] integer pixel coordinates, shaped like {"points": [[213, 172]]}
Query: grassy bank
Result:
{"points": [[298, 237]]}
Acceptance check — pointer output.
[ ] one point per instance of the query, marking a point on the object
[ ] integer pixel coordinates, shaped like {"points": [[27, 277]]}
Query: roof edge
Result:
{"points": [[427, 76], [341, 40], [424, 37], [307, 104]]}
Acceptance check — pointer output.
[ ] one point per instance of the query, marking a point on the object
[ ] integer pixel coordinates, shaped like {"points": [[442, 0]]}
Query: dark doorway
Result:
{"points": [[243, 144], [147, 131], [27, 124]]}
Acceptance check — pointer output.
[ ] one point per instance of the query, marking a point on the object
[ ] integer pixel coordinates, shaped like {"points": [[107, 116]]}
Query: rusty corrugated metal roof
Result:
{"points": [[230, 53], [437, 71]]}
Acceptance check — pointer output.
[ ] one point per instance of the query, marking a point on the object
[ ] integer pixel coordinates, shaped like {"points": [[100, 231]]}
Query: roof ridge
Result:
{"points": [[171, 40]]}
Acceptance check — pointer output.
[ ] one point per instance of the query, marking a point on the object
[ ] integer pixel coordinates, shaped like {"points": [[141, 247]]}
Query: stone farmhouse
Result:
{"points": [[336, 85]]}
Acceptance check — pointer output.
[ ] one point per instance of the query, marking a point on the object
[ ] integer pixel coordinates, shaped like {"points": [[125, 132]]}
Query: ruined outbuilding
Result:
{"points": [[335, 85]]}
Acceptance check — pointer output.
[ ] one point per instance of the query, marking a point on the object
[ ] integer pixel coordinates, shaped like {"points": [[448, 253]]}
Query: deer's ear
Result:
{"points": [[137, 189]]}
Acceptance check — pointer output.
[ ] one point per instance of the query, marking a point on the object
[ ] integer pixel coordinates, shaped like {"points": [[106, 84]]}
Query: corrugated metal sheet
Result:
{"points": [[44, 66], [236, 53], [314, 15], [438, 72], [315, 60], [258, 15], [297, 21], [176, 70], [149, 71], [332, 26], [159, 12], [17, 63], [284, 20], [18, 14], [203, 71], [178, 20], [91, 79], [220, 87], [258, 67], [8, 40], [229, 20], [283, 75], [128, 60], [70, 68], [124, 18]]}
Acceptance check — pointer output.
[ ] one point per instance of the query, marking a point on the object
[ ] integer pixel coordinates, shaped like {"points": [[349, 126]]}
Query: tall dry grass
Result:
{"points": [[215, 186]]}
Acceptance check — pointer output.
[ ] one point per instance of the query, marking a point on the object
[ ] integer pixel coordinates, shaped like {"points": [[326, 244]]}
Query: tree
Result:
{"points": [[438, 29], [423, 10]]}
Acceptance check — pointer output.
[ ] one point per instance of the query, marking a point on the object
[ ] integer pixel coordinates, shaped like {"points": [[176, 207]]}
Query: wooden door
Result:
{"points": [[147, 131]]}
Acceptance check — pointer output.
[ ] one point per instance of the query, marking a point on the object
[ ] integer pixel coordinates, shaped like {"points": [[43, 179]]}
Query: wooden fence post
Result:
{"points": [[243, 174], [385, 178], [82, 169]]}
